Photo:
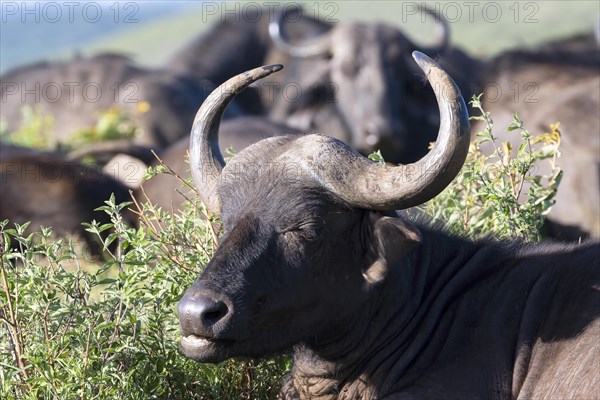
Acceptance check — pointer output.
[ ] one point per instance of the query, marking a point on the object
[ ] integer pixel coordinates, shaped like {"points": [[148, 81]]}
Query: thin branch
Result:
{"points": [[13, 327]]}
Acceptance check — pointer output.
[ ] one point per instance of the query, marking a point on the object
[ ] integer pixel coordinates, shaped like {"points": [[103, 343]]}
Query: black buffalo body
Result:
{"points": [[373, 305], [75, 93], [50, 190]]}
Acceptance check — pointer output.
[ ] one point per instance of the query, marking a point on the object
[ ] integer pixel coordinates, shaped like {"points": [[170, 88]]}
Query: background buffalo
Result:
{"points": [[332, 51]]}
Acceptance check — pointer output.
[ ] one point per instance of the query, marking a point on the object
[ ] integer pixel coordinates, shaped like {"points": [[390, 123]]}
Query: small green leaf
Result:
{"points": [[377, 157]]}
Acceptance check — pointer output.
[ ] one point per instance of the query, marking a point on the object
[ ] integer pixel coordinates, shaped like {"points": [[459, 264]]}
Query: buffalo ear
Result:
{"points": [[391, 239]]}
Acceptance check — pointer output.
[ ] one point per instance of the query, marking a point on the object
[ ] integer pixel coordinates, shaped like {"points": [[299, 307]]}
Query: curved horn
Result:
{"points": [[442, 42], [310, 48], [206, 160], [365, 184]]}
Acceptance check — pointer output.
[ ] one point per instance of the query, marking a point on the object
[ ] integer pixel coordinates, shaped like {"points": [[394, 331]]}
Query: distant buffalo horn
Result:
{"points": [[321, 45], [206, 160], [443, 30], [309, 48]]}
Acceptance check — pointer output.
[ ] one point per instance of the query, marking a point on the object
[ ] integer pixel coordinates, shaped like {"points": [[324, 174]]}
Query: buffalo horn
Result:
{"points": [[443, 31], [206, 160], [309, 48]]}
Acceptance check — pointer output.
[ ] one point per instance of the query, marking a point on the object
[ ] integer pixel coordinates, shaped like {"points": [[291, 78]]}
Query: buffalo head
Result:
{"points": [[357, 83], [309, 233]]}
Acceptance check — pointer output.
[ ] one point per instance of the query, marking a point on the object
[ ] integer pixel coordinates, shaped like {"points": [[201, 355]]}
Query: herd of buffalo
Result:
{"points": [[314, 256]]}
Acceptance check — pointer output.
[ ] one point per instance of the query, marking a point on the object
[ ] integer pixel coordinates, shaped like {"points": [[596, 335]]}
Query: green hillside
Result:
{"points": [[482, 28], [152, 43]]}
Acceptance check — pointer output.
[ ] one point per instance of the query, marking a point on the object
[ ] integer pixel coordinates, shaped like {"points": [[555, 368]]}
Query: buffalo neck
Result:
{"points": [[388, 340]]}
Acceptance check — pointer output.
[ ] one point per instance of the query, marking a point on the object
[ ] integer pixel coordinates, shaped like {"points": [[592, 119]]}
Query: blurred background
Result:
{"points": [[152, 31], [158, 60]]}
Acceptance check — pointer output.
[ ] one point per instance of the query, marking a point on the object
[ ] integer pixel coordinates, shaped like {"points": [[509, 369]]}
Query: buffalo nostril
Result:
{"points": [[199, 313], [211, 311]]}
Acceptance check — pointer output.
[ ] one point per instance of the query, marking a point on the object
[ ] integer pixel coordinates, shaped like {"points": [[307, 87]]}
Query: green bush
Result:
{"points": [[501, 192], [70, 331], [74, 328], [114, 123], [36, 128]]}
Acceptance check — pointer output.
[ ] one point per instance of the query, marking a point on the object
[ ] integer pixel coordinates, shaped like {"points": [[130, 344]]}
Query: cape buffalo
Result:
{"points": [[376, 306], [357, 83], [75, 93], [49, 190]]}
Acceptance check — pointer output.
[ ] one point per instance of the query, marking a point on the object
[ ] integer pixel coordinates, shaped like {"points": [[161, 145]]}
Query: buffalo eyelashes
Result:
{"points": [[308, 233]]}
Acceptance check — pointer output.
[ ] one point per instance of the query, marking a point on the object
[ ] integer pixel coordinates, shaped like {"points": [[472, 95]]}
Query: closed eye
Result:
{"points": [[311, 234], [308, 231]]}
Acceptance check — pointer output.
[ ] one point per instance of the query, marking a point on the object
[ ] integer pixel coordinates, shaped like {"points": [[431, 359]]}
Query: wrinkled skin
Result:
{"points": [[291, 259], [280, 252]]}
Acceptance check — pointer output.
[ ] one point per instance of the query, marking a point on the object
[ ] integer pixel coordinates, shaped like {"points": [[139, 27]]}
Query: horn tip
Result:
{"points": [[272, 68], [421, 58]]}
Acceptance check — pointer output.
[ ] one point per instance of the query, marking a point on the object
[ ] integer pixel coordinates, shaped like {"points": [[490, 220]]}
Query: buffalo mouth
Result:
{"points": [[204, 349]]}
